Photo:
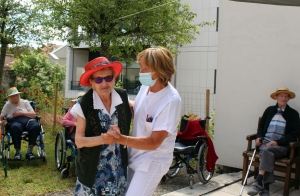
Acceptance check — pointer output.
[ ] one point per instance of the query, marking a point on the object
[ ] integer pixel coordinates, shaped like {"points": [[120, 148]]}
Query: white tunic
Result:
{"points": [[165, 109]]}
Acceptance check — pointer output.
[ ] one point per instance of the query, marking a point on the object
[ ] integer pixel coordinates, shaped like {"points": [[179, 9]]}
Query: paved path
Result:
{"points": [[227, 185]]}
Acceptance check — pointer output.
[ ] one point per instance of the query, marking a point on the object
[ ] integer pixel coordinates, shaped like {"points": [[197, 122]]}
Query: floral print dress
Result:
{"points": [[110, 177]]}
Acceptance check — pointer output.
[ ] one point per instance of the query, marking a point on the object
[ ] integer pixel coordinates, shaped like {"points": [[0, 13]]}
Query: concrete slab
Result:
{"points": [[228, 185], [215, 183]]}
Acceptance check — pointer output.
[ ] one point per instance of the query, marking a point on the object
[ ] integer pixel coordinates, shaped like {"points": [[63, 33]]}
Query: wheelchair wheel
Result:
{"points": [[4, 164], [60, 150], [175, 166], [40, 144], [3, 157], [203, 175], [1, 149], [64, 173], [163, 179]]}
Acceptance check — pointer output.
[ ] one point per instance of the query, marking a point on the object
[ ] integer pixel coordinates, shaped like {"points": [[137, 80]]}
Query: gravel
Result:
{"points": [[170, 185]]}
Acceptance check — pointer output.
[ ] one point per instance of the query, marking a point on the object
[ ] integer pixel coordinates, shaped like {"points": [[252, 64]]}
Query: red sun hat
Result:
{"points": [[96, 65]]}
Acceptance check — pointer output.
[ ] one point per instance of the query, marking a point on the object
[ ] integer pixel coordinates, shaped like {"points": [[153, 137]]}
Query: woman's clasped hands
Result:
{"points": [[112, 135], [114, 131]]}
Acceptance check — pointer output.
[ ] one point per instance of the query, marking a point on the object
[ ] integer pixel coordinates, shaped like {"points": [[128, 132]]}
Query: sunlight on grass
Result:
{"points": [[34, 177]]}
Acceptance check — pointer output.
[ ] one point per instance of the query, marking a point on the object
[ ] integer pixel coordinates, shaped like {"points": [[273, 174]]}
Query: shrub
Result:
{"points": [[36, 67], [211, 129], [42, 100]]}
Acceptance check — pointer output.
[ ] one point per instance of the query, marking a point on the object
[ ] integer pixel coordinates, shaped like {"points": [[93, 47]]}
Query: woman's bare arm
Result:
{"points": [[82, 141], [143, 143]]}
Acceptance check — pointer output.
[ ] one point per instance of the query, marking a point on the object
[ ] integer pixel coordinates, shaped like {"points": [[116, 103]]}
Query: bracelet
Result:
{"points": [[125, 146]]}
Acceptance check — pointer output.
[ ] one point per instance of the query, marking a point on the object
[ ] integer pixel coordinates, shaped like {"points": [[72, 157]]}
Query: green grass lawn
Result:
{"points": [[34, 177]]}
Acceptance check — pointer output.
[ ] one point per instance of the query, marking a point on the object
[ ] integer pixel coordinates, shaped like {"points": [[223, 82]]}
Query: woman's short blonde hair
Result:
{"points": [[160, 60]]}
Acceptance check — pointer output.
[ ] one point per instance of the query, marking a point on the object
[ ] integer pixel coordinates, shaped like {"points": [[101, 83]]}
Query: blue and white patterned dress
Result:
{"points": [[110, 178]]}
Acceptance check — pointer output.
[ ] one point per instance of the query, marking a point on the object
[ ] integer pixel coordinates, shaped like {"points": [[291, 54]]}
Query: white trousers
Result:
{"points": [[144, 183]]}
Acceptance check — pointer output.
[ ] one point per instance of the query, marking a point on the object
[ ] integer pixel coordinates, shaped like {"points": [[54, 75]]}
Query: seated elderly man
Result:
{"points": [[20, 117], [278, 126]]}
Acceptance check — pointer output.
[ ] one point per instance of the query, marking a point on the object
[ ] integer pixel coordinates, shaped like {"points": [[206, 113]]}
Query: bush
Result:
{"points": [[34, 68], [42, 100], [211, 129]]}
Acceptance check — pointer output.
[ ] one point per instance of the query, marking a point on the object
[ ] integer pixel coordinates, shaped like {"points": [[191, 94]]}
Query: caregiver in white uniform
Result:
{"points": [[157, 112]]}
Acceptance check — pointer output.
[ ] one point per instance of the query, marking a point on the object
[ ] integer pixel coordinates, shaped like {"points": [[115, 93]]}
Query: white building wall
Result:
{"points": [[197, 61], [258, 51], [61, 54], [76, 59]]}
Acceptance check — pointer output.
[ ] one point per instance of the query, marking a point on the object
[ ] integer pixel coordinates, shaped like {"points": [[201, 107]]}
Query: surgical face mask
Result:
{"points": [[146, 79]]}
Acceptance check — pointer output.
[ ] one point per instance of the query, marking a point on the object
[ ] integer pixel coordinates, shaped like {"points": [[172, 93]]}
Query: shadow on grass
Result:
{"points": [[12, 164]]}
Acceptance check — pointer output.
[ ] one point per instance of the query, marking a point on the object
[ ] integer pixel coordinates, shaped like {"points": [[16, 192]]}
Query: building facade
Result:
{"points": [[258, 51], [197, 62]]}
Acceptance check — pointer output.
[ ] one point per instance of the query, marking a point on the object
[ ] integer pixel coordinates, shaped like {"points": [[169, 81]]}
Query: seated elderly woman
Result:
{"points": [[70, 121], [20, 117]]}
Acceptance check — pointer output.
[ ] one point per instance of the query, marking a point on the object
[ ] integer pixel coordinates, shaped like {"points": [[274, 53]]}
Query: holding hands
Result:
{"points": [[112, 135], [114, 131], [107, 139]]}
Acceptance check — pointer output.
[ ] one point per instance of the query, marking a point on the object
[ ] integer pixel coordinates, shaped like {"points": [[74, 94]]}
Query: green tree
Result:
{"points": [[20, 24], [37, 67], [121, 28], [18, 50]]}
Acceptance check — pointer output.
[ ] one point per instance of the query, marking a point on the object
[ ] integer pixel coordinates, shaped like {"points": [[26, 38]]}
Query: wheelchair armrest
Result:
{"points": [[65, 109], [201, 137], [38, 118], [5, 118], [67, 128]]}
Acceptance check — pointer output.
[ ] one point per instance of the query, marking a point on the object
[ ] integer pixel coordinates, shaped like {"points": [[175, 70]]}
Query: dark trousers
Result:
{"points": [[267, 161], [16, 130]]}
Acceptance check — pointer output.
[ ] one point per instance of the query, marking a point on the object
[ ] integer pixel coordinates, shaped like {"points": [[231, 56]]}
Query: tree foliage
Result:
{"points": [[121, 28], [17, 51], [20, 24], [36, 67]]}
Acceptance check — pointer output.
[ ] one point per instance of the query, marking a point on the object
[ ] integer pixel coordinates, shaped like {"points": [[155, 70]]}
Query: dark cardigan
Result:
{"points": [[87, 157], [292, 128]]}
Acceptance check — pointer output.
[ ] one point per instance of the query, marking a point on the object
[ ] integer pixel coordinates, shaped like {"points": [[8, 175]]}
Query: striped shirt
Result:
{"points": [[276, 127]]}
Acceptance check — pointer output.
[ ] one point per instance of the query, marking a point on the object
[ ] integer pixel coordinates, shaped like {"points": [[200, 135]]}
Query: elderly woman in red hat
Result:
{"points": [[101, 163], [20, 117]]}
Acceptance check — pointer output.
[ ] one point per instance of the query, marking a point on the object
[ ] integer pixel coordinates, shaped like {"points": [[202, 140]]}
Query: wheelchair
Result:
{"points": [[193, 156], [6, 142], [65, 152]]}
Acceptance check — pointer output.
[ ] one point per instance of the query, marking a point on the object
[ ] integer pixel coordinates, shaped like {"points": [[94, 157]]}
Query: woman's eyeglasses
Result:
{"points": [[99, 80]]}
